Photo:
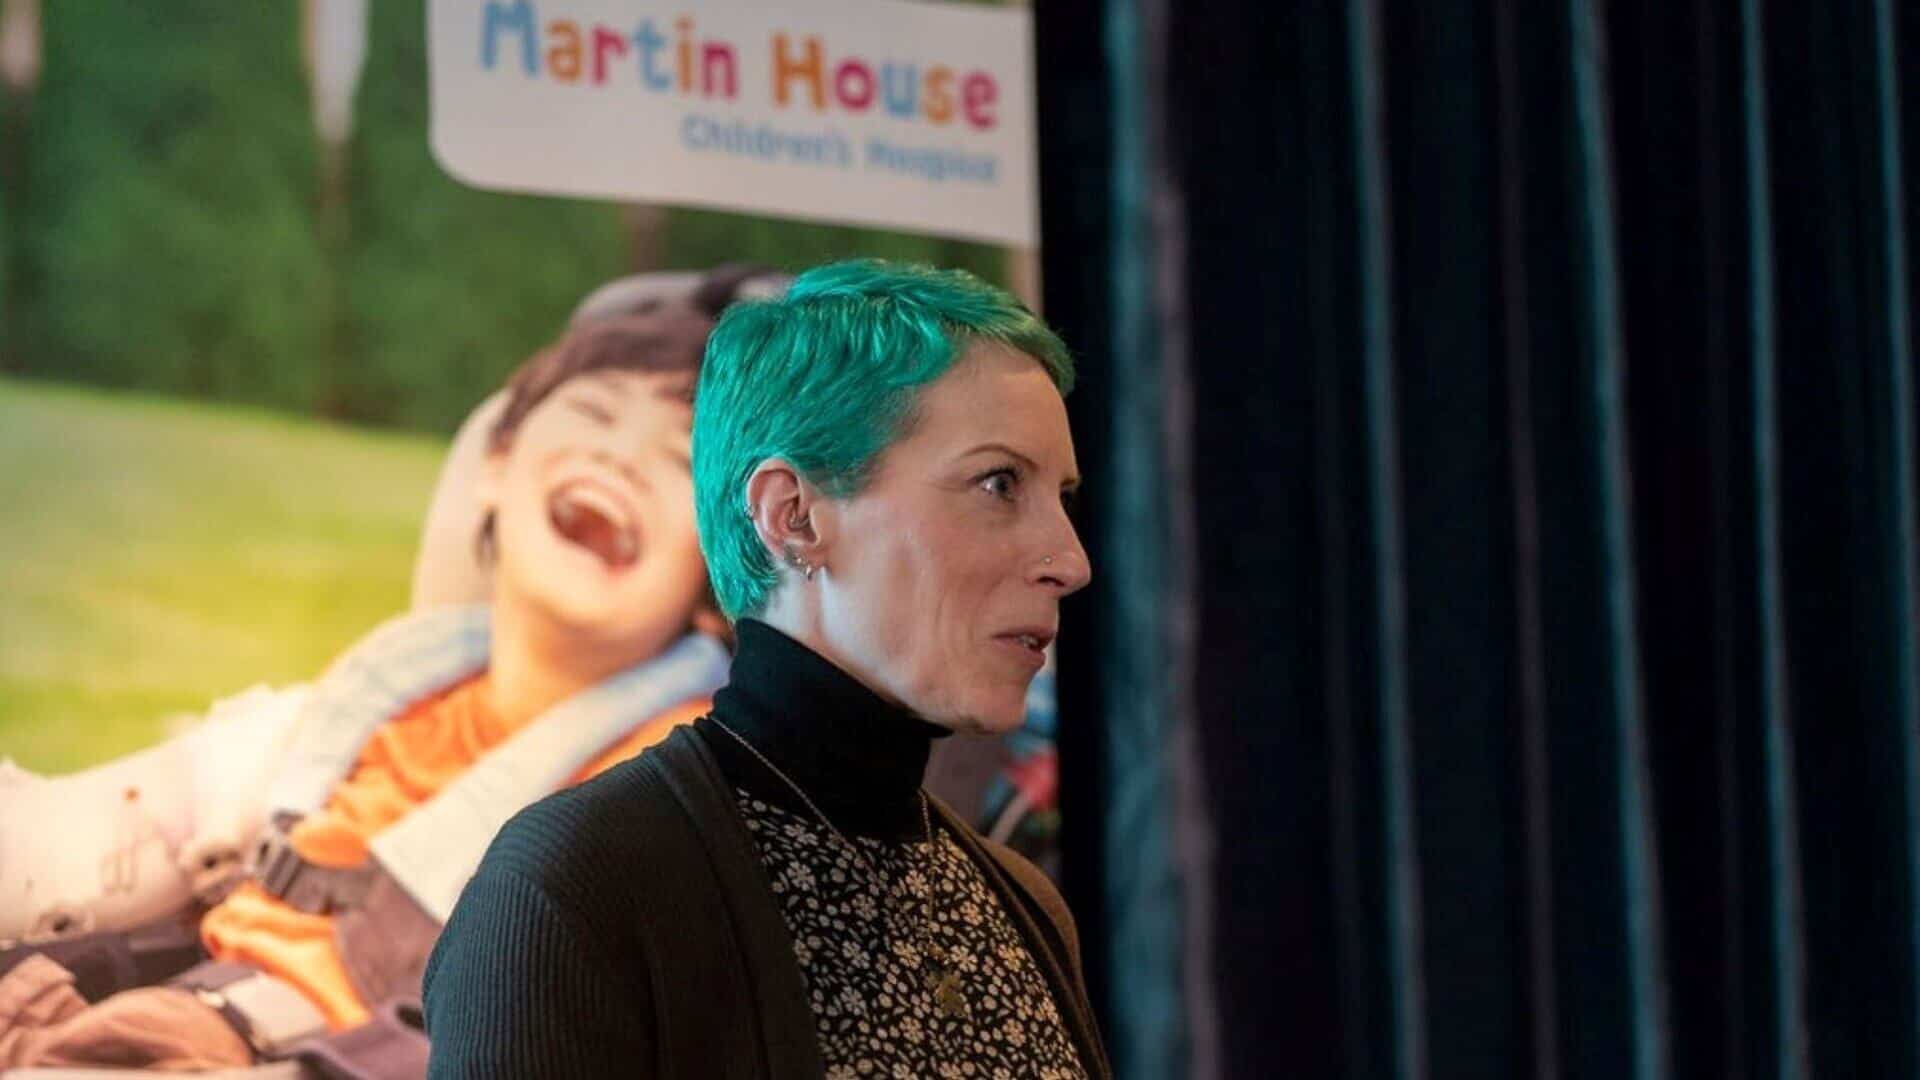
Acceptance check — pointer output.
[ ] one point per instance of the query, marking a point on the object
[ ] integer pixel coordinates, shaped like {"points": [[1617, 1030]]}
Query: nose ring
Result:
{"points": [[1048, 561]]}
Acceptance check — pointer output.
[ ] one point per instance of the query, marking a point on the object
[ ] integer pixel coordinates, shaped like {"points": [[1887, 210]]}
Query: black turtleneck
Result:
{"points": [[859, 757], [870, 917]]}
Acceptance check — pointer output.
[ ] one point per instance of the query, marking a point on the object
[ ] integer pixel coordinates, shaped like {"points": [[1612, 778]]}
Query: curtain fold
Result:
{"points": [[1499, 424]]}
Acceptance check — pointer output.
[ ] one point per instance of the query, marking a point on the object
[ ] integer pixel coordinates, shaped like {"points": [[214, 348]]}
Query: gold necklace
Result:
{"points": [[942, 980]]}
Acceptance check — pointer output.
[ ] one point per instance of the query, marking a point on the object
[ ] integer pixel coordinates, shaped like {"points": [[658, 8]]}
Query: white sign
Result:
{"points": [[891, 113]]}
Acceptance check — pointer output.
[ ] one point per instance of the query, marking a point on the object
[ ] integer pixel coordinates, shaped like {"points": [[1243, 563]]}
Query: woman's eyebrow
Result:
{"points": [[1003, 448], [1071, 483]]}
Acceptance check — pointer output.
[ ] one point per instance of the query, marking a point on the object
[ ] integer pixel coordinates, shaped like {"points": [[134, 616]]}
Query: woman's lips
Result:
{"points": [[588, 517], [1030, 648]]}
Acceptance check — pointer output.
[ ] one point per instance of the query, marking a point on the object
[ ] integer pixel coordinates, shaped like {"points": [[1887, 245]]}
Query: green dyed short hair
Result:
{"points": [[825, 378]]}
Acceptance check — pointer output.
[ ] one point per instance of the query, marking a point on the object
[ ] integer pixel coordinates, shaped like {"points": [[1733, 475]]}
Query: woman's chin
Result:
{"points": [[987, 718]]}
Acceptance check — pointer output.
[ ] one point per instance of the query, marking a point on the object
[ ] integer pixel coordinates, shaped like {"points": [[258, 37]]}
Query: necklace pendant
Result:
{"points": [[946, 994]]}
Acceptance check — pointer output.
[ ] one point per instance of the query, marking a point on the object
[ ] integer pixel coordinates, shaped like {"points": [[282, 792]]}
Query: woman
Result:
{"points": [[410, 751], [881, 464]]}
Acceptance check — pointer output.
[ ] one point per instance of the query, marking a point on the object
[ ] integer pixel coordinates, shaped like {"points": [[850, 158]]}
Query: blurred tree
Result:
{"points": [[19, 74], [168, 243]]}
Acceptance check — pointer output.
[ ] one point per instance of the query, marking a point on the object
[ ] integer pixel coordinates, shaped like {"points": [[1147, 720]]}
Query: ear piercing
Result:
{"points": [[796, 521]]}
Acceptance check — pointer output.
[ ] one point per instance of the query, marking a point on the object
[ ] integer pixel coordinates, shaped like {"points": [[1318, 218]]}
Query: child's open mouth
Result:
{"points": [[584, 514]]}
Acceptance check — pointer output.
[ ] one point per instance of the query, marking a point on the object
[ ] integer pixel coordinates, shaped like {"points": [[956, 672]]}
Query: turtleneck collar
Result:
{"points": [[858, 757]]}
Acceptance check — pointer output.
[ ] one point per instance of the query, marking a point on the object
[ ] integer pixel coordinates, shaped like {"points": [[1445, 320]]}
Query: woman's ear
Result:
{"points": [[782, 504]]}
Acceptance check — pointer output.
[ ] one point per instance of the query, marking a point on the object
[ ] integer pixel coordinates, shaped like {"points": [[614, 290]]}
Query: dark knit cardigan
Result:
{"points": [[625, 927]]}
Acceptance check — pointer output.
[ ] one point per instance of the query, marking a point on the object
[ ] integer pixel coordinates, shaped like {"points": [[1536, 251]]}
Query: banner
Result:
{"points": [[887, 113], [286, 414]]}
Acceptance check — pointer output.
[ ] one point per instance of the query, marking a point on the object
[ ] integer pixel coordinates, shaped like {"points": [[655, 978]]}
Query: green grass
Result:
{"points": [[156, 555]]}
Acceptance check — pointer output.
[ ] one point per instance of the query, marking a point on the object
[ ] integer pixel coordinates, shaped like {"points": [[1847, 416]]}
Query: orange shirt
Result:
{"points": [[406, 762]]}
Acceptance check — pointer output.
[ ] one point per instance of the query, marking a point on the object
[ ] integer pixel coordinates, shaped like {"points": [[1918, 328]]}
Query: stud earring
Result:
{"points": [[806, 569]]}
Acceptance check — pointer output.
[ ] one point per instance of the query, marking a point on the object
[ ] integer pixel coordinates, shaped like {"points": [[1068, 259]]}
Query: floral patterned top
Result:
{"points": [[863, 946]]}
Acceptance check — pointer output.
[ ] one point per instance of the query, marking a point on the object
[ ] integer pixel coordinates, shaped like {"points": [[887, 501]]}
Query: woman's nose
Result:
{"points": [[1065, 565]]}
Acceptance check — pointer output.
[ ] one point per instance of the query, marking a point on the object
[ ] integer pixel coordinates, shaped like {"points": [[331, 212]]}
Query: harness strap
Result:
{"points": [[384, 943], [306, 886], [269, 1013], [390, 1046], [109, 961], [400, 662]]}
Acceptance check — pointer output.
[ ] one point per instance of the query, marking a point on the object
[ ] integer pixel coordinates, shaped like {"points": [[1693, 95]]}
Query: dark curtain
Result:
{"points": [[1499, 424]]}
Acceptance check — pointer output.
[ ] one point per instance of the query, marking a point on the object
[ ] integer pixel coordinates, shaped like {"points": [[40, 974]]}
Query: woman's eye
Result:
{"points": [[1001, 482]]}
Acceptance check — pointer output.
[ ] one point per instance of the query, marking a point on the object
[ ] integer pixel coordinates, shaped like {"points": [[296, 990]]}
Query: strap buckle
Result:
{"points": [[285, 873], [269, 1013]]}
